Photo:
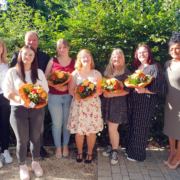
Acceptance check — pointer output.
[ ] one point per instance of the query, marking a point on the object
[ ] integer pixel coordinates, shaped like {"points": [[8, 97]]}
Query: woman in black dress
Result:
{"points": [[114, 106], [142, 104]]}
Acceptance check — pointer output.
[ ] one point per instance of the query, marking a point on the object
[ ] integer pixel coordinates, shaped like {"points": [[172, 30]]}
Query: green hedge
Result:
{"points": [[98, 26]]}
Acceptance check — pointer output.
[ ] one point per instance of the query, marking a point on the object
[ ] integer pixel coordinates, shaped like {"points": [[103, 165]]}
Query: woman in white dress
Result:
{"points": [[85, 116]]}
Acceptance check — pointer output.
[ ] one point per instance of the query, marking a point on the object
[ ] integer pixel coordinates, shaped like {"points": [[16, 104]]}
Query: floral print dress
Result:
{"points": [[85, 116]]}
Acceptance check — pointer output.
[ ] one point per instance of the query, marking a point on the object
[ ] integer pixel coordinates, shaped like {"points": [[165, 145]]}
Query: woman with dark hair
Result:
{"points": [[142, 104], [25, 121], [4, 109], [172, 107]]}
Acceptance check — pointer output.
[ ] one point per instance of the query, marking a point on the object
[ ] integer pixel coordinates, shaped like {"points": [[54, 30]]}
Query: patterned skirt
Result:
{"points": [[85, 116]]}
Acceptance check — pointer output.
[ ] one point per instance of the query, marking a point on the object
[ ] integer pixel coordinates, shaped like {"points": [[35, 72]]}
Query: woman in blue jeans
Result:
{"points": [[59, 98]]}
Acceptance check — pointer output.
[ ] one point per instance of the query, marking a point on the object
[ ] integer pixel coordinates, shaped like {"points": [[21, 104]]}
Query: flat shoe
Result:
{"points": [[65, 154], [58, 156]]}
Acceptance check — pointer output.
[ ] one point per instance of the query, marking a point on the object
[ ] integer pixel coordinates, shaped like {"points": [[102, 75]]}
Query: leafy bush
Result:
{"points": [[98, 26]]}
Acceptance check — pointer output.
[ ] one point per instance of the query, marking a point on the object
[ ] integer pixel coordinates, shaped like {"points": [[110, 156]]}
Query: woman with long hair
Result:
{"points": [[143, 102], [25, 121], [172, 106], [59, 98], [85, 116], [4, 109], [114, 106]]}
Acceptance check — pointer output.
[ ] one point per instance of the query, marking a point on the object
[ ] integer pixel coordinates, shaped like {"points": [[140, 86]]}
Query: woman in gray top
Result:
{"points": [[172, 108]]}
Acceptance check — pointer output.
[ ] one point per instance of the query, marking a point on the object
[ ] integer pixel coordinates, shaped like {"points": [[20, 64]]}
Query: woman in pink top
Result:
{"points": [[59, 97]]}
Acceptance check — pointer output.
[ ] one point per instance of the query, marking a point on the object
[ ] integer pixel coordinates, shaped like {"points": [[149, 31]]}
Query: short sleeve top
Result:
{"points": [[57, 66]]}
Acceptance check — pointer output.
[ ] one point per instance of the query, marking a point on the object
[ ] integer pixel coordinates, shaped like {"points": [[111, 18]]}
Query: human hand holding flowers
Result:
{"points": [[140, 90], [85, 90], [63, 88]]}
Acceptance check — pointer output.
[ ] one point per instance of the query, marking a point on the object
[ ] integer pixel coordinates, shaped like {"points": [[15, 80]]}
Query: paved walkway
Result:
{"points": [[150, 169]]}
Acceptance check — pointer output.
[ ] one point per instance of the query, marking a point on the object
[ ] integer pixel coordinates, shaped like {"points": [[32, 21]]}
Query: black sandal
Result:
{"points": [[78, 160], [87, 161]]}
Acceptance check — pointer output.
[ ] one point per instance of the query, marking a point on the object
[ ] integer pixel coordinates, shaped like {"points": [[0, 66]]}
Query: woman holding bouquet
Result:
{"points": [[142, 104], [59, 98], [114, 105], [85, 116], [4, 109], [25, 121], [172, 107]]}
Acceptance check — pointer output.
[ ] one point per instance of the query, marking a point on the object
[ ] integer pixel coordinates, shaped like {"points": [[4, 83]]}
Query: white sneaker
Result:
{"points": [[126, 154], [6, 157], [114, 157], [24, 172], [1, 164], [107, 152], [37, 169], [130, 159]]}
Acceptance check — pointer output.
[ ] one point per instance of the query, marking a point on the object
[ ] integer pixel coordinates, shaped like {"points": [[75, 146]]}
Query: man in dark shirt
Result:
{"points": [[31, 38]]}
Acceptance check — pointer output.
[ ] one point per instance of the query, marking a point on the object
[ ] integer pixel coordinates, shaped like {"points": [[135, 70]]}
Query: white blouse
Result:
{"points": [[3, 71], [12, 83]]}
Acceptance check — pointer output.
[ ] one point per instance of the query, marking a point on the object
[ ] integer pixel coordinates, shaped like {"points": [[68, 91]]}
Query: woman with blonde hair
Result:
{"points": [[85, 116], [114, 106], [4, 109], [59, 97]]}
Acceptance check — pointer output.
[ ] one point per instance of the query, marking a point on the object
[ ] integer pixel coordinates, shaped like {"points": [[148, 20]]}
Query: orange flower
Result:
{"points": [[81, 89]]}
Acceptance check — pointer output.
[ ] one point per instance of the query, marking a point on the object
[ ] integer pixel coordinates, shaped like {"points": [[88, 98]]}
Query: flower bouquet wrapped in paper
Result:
{"points": [[33, 95], [58, 78], [110, 85], [85, 90], [138, 79]]}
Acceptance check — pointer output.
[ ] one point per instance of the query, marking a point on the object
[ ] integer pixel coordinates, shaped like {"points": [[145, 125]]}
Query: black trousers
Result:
{"points": [[4, 122]]}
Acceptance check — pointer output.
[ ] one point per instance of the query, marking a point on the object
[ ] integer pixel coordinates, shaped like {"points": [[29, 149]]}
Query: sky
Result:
{"points": [[2, 1]]}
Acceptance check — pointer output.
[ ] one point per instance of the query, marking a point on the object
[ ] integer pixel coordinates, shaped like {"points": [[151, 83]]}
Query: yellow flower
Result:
{"points": [[91, 86], [109, 81], [138, 72], [39, 89], [85, 83], [113, 81], [136, 76], [43, 95], [60, 75], [57, 71]]}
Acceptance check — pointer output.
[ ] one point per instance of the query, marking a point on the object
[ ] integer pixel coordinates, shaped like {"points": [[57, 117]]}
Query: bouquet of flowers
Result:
{"points": [[84, 90], [58, 78], [110, 85], [33, 95], [138, 79]]}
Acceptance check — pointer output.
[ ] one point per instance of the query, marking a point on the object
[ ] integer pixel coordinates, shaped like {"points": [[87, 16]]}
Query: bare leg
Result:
{"points": [[172, 143], [107, 122], [177, 156], [114, 135], [65, 149], [58, 151], [79, 142], [91, 139]]}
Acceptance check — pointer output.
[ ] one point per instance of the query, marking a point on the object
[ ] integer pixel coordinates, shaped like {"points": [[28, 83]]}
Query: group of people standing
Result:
{"points": [[132, 107]]}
